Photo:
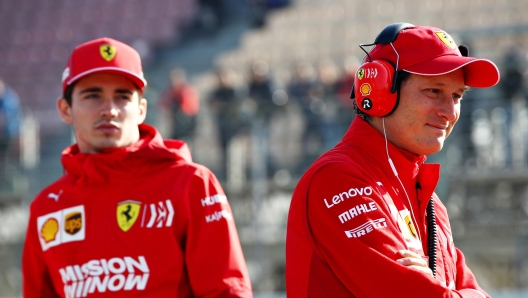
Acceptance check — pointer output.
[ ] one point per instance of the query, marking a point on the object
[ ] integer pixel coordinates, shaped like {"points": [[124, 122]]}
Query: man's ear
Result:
{"points": [[64, 111], [142, 110]]}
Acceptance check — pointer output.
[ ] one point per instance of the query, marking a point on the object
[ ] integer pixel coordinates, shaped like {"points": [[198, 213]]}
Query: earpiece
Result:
{"points": [[375, 83], [373, 88]]}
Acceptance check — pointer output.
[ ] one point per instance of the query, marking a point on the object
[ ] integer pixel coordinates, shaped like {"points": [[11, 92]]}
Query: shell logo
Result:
{"points": [[365, 89], [50, 229]]}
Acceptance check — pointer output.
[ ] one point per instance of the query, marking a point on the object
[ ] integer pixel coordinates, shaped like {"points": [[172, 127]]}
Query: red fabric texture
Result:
{"points": [[183, 242], [350, 215]]}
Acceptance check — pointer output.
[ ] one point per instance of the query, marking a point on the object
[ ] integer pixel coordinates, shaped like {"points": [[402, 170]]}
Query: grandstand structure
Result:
{"points": [[38, 37]]}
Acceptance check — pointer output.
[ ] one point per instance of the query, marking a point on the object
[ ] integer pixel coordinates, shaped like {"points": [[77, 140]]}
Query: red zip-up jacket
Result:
{"points": [[140, 221], [350, 215]]}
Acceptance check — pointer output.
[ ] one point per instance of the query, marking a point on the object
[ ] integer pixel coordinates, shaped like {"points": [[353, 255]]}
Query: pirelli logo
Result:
{"points": [[366, 228]]}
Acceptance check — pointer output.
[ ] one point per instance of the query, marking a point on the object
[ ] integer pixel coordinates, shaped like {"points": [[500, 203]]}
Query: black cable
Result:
{"points": [[431, 237]]}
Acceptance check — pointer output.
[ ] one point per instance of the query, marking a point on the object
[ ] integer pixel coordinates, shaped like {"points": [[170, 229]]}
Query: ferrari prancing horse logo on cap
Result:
{"points": [[447, 39], [108, 52]]}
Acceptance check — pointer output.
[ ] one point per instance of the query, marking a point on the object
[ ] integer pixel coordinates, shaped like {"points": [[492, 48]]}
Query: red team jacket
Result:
{"points": [[141, 221], [349, 216]]}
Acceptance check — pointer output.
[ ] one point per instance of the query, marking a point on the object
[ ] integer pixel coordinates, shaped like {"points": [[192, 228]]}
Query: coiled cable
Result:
{"points": [[431, 237]]}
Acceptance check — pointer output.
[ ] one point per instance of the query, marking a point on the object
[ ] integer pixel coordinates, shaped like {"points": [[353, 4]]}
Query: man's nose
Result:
{"points": [[109, 109], [449, 110]]}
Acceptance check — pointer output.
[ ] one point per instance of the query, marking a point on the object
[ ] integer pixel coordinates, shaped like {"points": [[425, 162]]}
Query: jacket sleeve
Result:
{"points": [[214, 258], [466, 282], [35, 275], [356, 234]]}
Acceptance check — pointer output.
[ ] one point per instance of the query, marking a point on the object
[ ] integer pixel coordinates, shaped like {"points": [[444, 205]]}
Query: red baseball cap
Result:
{"points": [[103, 55], [430, 51]]}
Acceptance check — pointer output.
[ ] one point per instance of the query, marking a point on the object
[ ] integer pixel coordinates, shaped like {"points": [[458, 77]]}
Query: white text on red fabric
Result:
{"points": [[352, 192], [216, 199], [366, 228], [357, 210], [115, 274]]}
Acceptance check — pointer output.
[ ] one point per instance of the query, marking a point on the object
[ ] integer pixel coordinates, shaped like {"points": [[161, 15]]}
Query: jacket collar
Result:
{"points": [[365, 138], [117, 163]]}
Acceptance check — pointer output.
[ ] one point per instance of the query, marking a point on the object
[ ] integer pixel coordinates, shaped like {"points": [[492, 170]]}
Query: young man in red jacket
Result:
{"points": [[132, 216], [364, 220]]}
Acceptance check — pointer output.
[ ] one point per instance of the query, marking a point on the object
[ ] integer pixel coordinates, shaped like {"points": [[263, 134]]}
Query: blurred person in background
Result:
{"points": [[180, 103], [225, 105], [303, 88], [10, 114], [365, 220], [258, 107], [260, 90], [327, 86], [132, 216], [346, 113], [512, 88]]}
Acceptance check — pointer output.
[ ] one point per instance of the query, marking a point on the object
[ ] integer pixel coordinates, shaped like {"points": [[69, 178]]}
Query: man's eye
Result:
{"points": [[92, 96]]}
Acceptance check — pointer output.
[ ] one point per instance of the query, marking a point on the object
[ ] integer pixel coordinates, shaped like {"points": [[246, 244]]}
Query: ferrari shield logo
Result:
{"points": [[411, 227], [361, 73], [108, 52], [127, 214], [447, 39]]}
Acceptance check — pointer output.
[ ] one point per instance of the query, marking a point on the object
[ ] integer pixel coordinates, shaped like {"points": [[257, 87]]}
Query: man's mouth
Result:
{"points": [[107, 128]]}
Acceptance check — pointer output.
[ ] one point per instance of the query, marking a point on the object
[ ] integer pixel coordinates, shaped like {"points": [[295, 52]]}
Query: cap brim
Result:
{"points": [[478, 73], [139, 81]]}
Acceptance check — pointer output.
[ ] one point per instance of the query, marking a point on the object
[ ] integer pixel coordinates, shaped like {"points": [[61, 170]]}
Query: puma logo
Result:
{"points": [[55, 196]]}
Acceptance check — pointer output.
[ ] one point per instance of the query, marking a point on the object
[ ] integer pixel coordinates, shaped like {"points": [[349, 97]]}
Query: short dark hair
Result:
{"points": [[402, 77], [68, 94]]}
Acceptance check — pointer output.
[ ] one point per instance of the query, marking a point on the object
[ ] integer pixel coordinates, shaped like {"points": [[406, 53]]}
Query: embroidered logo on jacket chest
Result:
{"points": [[62, 226], [153, 215]]}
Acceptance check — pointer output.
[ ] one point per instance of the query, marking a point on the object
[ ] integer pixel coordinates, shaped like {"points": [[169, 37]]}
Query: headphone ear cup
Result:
{"points": [[372, 88]]}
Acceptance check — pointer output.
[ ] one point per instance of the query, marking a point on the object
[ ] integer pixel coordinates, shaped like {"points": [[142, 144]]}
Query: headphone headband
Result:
{"points": [[389, 33]]}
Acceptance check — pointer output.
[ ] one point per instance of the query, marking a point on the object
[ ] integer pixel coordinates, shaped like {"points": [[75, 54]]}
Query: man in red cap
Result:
{"points": [[132, 216], [364, 220]]}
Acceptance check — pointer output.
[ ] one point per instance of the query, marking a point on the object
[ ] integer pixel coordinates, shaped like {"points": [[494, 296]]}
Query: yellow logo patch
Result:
{"points": [[127, 214], [365, 89], [446, 39], [410, 225], [49, 230], [361, 73], [108, 52], [73, 223]]}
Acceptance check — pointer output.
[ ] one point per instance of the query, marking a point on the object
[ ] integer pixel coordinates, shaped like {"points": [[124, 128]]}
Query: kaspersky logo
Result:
{"points": [[102, 275]]}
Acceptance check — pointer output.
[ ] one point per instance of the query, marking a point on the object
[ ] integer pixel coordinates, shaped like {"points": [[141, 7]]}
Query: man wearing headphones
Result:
{"points": [[364, 220]]}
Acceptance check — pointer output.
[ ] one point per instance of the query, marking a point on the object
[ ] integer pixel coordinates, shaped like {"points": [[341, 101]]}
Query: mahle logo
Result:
{"points": [[127, 214]]}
